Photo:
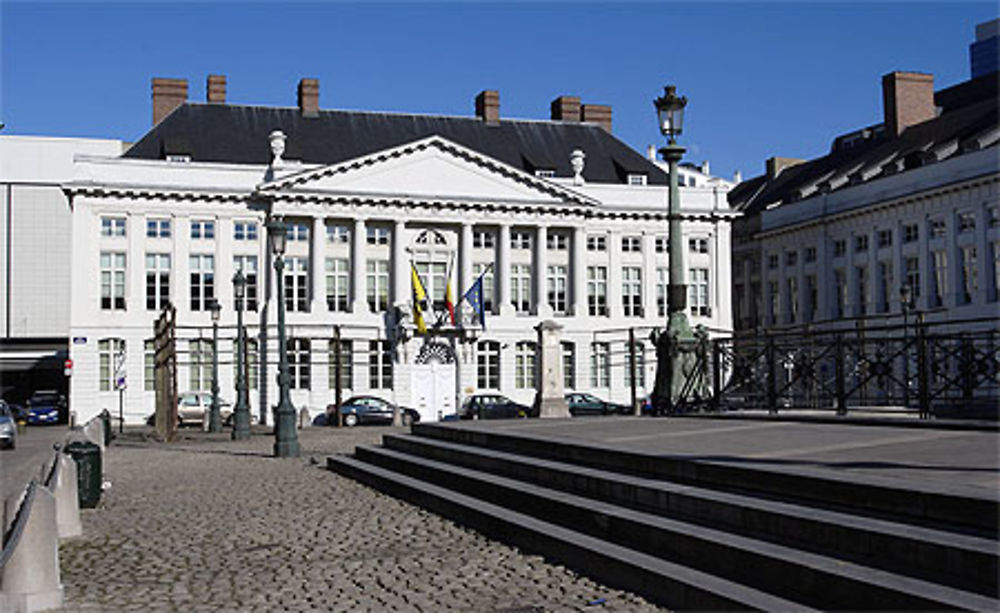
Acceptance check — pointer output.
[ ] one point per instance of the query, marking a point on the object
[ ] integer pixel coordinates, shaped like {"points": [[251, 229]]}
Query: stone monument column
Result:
{"points": [[549, 395]]}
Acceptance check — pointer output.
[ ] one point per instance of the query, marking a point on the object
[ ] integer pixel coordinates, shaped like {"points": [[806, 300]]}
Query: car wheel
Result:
{"points": [[350, 420], [407, 420]]}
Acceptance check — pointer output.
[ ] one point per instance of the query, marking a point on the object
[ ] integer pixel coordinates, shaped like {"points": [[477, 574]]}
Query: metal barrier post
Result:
{"points": [[772, 393], [840, 375], [923, 376]]}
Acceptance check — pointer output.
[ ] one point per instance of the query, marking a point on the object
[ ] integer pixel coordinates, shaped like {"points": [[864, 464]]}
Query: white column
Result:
{"points": [[358, 244], [135, 264], [983, 256], [318, 265], [578, 271], [465, 276], [615, 309], [954, 277], [824, 278], [400, 264], [925, 264], [180, 265], [898, 272], [542, 307], [649, 275], [502, 274]]}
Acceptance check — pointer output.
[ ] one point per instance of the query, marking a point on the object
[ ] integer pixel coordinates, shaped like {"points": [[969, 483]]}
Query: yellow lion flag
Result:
{"points": [[419, 300]]}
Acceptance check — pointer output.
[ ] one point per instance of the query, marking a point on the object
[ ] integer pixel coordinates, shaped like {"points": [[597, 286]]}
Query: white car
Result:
{"points": [[192, 406]]}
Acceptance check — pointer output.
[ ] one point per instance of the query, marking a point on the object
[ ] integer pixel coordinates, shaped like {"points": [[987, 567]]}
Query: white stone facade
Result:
{"points": [[360, 224]]}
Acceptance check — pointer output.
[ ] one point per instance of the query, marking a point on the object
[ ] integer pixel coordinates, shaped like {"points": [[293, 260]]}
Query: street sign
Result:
{"points": [[79, 340], [68, 367], [120, 382]]}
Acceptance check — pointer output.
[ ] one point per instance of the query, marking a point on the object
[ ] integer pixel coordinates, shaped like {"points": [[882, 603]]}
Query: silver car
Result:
{"points": [[191, 408], [8, 429]]}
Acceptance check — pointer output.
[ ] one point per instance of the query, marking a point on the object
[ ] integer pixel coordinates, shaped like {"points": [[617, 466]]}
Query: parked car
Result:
{"points": [[47, 407], [191, 407], [493, 406], [8, 428], [589, 404], [358, 410]]}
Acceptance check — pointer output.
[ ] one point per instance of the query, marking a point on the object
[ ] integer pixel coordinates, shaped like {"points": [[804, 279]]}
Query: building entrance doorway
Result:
{"points": [[433, 381]]}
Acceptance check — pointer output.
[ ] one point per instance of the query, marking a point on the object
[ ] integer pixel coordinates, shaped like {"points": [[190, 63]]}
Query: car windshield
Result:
{"points": [[44, 398]]}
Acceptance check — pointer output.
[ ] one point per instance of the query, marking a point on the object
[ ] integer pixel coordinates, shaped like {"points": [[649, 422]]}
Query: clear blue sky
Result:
{"points": [[762, 78]]}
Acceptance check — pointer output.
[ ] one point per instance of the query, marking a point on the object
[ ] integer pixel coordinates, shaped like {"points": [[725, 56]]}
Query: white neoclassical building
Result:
{"points": [[364, 195]]}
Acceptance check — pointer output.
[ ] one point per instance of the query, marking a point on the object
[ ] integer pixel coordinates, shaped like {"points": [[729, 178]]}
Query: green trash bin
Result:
{"points": [[87, 456], [106, 420]]}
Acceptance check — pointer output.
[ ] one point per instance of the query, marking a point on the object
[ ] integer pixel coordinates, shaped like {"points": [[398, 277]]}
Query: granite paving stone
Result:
{"points": [[209, 524]]}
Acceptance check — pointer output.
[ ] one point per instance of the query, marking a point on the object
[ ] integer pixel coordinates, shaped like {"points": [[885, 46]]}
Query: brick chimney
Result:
{"points": [[309, 97], [488, 106], [596, 113], [566, 108], [215, 89], [775, 165], [907, 99], [168, 94]]}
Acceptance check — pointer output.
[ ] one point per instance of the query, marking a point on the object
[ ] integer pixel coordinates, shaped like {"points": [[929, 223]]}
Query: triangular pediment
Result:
{"points": [[430, 168]]}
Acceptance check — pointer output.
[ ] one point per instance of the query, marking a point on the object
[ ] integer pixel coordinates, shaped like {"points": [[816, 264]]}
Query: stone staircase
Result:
{"points": [[697, 534]]}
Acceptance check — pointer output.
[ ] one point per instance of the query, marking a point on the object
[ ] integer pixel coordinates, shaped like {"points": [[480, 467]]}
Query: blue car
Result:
{"points": [[47, 407]]}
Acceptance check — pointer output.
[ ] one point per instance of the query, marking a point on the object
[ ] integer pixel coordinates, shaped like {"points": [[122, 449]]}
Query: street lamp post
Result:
{"points": [[906, 302], [286, 442], [673, 355], [241, 412], [215, 416]]}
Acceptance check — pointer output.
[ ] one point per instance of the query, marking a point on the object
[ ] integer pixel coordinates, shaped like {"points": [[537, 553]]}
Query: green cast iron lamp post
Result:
{"points": [[215, 416], [241, 412], [286, 442]]}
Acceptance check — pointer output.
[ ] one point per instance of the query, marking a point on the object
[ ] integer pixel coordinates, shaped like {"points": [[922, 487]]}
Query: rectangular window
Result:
{"points": [[488, 365], [970, 274], [792, 289], [597, 290], [940, 278], [524, 365], [157, 281], [336, 233], [996, 270], [597, 242], [199, 365], [636, 179], [337, 284], [252, 369], [379, 365], [812, 296], [202, 282], [993, 217], [791, 258], [640, 365], [346, 365], [520, 280], [698, 292], [477, 270], [938, 228], [112, 281], [884, 238], [297, 284], [297, 232], [885, 281], [810, 255], [555, 241], [434, 276], [202, 229], [661, 244], [632, 291], [698, 245], [861, 243], [632, 244], [774, 297], [911, 233], [839, 292], [157, 228], [248, 264], [545, 173], [520, 239], [839, 248], [111, 356], [149, 366], [600, 365], [112, 226], [966, 223], [299, 362], [557, 282], [911, 272], [483, 239], [662, 281], [245, 231], [378, 285], [862, 276], [568, 364], [772, 261], [378, 235]]}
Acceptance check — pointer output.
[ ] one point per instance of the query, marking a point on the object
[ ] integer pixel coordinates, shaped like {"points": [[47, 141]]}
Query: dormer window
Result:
{"points": [[545, 173], [636, 179], [178, 157]]}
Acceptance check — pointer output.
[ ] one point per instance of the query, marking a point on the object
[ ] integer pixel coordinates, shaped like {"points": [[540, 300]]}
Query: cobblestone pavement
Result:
{"points": [[207, 524]]}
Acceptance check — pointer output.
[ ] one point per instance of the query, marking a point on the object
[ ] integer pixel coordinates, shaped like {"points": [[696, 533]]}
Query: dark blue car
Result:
{"points": [[47, 407]]}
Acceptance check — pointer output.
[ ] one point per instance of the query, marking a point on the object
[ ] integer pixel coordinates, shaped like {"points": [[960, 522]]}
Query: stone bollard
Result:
{"points": [[64, 488], [304, 421], [30, 579], [93, 431]]}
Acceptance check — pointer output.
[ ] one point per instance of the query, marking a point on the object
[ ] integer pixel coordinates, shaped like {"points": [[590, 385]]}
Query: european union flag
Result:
{"points": [[475, 298]]}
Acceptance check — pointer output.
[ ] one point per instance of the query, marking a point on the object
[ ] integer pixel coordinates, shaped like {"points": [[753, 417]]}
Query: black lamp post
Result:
{"points": [[241, 412], [214, 416], [286, 442], [906, 302]]}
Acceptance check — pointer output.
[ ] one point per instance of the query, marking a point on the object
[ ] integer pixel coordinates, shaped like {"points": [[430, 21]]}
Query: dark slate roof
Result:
{"points": [[239, 134], [969, 112]]}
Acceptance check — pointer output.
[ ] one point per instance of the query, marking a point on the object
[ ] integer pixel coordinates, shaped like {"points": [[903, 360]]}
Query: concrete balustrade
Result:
{"points": [[63, 485], [29, 562], [93, 430]]}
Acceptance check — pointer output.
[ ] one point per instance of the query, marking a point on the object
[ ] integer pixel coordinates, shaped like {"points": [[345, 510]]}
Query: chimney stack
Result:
{"points": [[566, 108], [309, 97], [488, 106], [776, 165], [907, 99], [215, 89], [597, 113], [168, 94]]}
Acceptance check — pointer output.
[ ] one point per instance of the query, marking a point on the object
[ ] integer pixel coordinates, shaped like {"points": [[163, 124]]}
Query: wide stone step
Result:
{"points": [[658, 580], [815, 580], [956, 560], [923, 507]]}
